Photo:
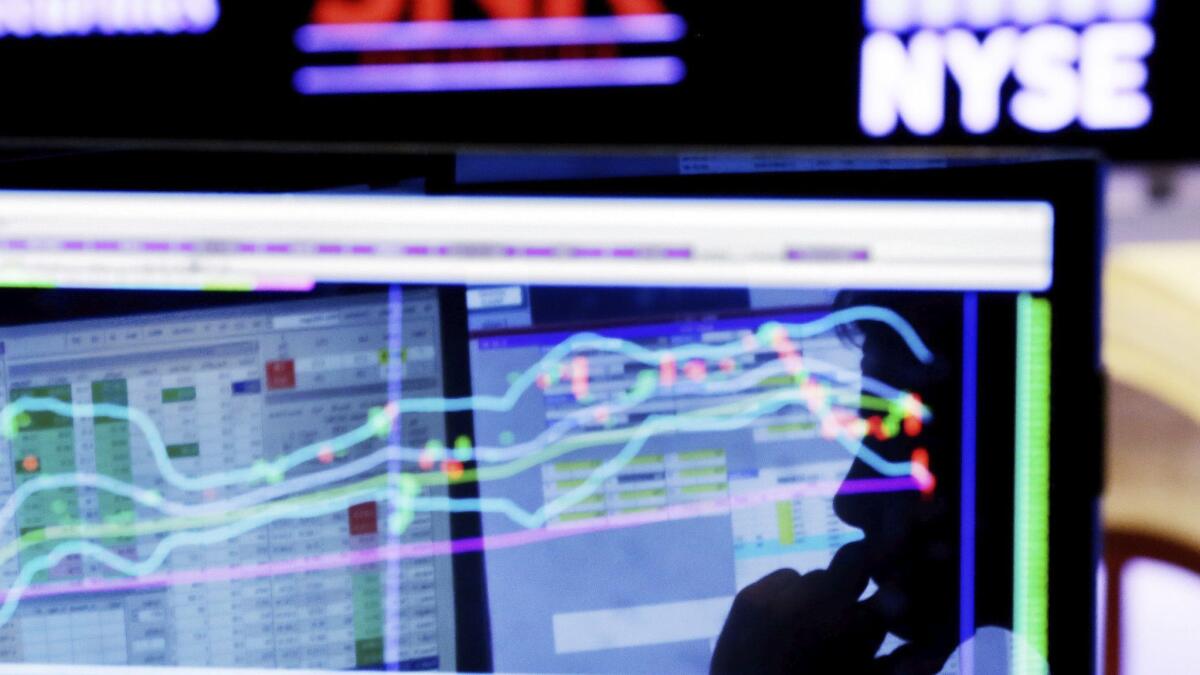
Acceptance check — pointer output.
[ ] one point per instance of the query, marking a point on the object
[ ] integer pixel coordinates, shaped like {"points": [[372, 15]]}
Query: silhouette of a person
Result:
{"points": [[818, 622]]}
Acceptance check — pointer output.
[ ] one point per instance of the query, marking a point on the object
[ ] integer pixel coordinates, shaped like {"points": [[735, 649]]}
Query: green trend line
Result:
{"points": [[380, 423], [409, 485], [707, 419], [381, 420], [153, 499]]}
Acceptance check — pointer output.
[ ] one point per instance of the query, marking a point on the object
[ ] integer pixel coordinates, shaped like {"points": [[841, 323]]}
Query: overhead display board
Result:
{"points": [[1112, 74]]}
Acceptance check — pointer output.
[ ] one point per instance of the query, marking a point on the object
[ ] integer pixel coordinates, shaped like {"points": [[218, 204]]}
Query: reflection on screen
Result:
{"points": [[212, 488], [672, 463]]}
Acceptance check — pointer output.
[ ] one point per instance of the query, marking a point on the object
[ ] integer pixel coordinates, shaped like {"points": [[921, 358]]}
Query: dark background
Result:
{"points": [[759, 73]]}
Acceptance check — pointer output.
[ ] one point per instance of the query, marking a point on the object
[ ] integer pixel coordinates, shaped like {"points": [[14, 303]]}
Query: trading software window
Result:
{"points": [[203, 412]]}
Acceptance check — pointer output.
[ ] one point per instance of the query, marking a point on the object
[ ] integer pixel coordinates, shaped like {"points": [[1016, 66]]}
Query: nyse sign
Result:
{"points": [[1072, 62], [73, 18]]}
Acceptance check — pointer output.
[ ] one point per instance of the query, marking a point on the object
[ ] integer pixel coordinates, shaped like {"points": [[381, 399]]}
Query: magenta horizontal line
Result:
{"points": [[489, 75], [491, 33], [288, 284], [394, 552]]}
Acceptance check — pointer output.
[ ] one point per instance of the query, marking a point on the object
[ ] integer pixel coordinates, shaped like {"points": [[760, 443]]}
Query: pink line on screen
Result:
{"points": [[284, 284], [392, 552]]}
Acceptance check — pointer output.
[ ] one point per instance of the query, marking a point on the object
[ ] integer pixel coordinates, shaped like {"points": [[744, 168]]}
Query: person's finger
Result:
{"points": [[865, 632], [847, 576], [758, 632], [778, 594]]}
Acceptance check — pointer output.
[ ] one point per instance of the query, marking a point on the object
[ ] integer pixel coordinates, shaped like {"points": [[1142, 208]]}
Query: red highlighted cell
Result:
{"points": [[281, 374], [364, 518], [695, 370]]}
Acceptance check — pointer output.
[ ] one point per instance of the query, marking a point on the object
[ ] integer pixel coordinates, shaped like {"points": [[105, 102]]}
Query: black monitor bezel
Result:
{"points": [[1073, 187]]}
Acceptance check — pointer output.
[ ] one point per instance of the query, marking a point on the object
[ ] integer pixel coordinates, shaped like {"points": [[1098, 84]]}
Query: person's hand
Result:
{"points": [[788, 623]]}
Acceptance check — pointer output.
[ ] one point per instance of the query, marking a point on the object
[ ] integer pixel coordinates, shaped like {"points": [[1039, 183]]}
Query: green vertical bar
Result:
{"points": [[367, 590], [1031, 541], [787, 523]]}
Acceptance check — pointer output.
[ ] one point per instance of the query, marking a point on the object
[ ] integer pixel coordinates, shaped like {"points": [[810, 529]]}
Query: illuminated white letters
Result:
{"points": [[1049, 95], [58, 18], [1113, 73], [1058, 63], [901, 16], [903, 82], [980, 71]]}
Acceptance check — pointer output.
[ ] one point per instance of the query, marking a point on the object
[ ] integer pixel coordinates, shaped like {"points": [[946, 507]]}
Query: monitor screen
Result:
{"points": [[682, 456], [529, 434], [208, 487]]}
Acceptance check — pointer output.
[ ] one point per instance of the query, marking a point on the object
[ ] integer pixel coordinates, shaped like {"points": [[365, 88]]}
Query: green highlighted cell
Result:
{"points": [[568, 484], [778, 381], [228, 286], [703, 472], [583, 515], [796, 427], [367, 593], [641, 494], [787, 523], [27, 283], [581, 465], [39, 420], [642, 460], [183, 450], [179, 395], [44, 444], [701, 455], [709, 488], [368, 652]]}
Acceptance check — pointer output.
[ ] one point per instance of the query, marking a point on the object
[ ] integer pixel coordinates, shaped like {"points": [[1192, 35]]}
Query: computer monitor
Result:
{"points": [[551, 433]]}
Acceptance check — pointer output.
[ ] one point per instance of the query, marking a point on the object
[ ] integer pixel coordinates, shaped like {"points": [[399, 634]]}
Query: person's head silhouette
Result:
{"points": [[816, 623]]}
